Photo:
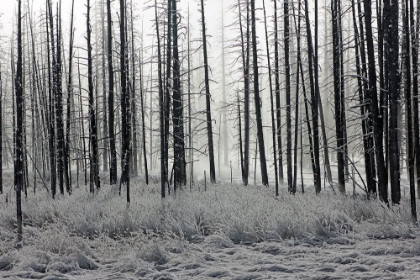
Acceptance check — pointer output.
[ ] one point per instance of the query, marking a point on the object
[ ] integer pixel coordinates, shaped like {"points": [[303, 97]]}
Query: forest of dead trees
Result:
{"points": [[327, 86]]}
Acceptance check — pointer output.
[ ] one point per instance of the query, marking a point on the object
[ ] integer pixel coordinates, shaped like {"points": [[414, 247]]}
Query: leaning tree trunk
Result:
{"points": [[208, 99], [273, 123]]}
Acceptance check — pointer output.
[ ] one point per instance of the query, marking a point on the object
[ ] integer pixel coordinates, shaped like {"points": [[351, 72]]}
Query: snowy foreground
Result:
{"points": [[228, 232]]}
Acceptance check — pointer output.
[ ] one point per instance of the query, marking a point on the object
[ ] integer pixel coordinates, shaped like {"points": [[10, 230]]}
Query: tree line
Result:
{"points": [[347, 104]]}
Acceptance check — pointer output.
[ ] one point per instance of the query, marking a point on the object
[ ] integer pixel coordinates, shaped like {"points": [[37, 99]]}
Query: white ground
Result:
{"points": [[228, 232]]}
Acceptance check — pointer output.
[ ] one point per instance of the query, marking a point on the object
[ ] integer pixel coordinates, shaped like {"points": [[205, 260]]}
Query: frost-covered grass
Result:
{"points": [[243, 214], [196, 232]]}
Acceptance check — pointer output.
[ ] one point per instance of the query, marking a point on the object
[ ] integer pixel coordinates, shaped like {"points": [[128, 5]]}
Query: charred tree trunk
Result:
{"points": [[125, 106], [288, 106], [111, 116], [273, 123], [93, 131], [372, 96], [163, 161], [180, 177], [208, 98], [277, 88], [19, 148], [257, 99]]}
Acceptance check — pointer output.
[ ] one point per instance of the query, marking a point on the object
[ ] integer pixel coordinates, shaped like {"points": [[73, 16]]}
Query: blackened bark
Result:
{"points": [[50, 111], [111, 117], [338, 95], [273, 123], [394, 100], [372, 96], [257, 99], [314, 101], [19, 149], [93, 133], [362, 87], [69, 104], [208, 98], [178, 115], [288, 93], [277, 87], [125, 106], [163, 168]]}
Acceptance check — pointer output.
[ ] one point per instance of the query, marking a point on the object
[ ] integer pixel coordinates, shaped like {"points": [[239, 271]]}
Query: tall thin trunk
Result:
{"points": [[208, 99], [178, 115], [409, 112], [362, 87], [19, 149], [167, 97], [314, 99], [245, 60], [93, 133], [69, 104], [257, 99], [125, 106], [111, 116], [415, 28], [338, 96], [273, 124], [277, 88], [394, 100], [372, 96], [163, 173], [134, 150], [51, 114], [288, 93]]}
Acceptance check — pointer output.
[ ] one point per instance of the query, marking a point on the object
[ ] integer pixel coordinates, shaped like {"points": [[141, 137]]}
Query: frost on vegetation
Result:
{"points": [[228, 214]]}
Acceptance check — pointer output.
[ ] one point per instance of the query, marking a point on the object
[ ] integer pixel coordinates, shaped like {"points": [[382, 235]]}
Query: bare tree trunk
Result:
{"points": [[125, 106], [409, 112], [163, 169], [208, 99], [19, 149], [93, 133], [273, 124], [314, 100], [257, 99], [245, 58], [69, 104], [394, 100], [51, 114], [178, 119], [111, 116], [288, 93], [372, 95], [338, 96]]}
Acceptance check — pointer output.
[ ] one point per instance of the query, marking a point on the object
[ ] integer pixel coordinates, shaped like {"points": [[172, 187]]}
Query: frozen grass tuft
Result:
{"points": [[223, 215]]}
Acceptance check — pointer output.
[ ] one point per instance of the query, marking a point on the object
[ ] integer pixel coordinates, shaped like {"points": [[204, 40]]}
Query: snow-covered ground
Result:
{"points": [[227, 232]]}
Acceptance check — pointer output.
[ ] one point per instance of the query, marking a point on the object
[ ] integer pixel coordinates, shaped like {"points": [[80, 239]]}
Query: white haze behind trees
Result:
{"points": [[144, 22]]}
